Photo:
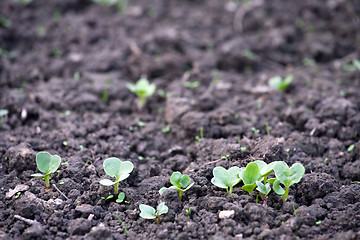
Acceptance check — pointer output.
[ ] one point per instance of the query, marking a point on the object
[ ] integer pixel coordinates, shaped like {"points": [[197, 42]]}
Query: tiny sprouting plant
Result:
{"points": [[120, 198], [114, 167], [179, 182], [47, 164], [226, 178], [142, 89], [192, 85], [351, 147], [149, 212], [122, 224], [351, 66], [108, 197], [264, 190], [267, 128], [188, 212], [287, 176], [280, 83], [105, 92], [255, 130], [198, 138], [249, 176]]}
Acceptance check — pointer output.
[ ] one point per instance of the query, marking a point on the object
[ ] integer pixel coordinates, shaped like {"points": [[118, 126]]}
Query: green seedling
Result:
{"points": [[149, 212], [198, 138], [351, 147], [249, 176], [122, 224], [267, 128], [226, 178], [188, 212], [118, 169], [279, 83], [351, 66], [166, 129], [142, 89], [287, 176], [255, 130], [295, 214], [47, 164], [105, 92], [192, 85], [179, 182], [120, 198], [264, 190], [108, 197]]}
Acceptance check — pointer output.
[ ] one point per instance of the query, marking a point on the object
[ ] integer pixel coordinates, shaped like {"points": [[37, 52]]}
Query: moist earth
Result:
{"points": [[63, 74]]}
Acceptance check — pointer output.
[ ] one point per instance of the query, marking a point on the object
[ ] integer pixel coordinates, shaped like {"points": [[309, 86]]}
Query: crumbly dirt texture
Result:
{"points": [[64, 66]]}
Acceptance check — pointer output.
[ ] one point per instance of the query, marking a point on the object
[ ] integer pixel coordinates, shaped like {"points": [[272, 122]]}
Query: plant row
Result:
{"points": [[255, 176]]}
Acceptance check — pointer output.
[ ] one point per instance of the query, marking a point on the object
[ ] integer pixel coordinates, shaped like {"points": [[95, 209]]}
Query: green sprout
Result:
{"points": [[142, 89], [47, 164], [264, 190], [108, 197], [120, 198], [105, 93], [226, 178], [114, 167], [287, 176], [351, 66], [188, 212], [280, 83], [122, 224], [255, 130], [179, 182], [351, 147], [192, 85], [198, 138], [149, 212]]}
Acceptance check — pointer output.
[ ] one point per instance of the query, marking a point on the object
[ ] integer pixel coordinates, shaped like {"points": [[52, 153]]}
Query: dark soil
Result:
{"points": [[56, 61]]}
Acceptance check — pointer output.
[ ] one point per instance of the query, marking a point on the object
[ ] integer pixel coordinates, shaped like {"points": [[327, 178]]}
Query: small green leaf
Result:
{"points": [[251, 174], [106, 182], [147, 212], [266, 170], [225, 178], [261, 164], [37, 175], [114, 167], [162, 190], [271, 180], [249, 187], [47, 163], [120, 198], [175, 179], [351, 147], [277, 189], [289, 176], [264, 189], [184, 181], [162, 208]]}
